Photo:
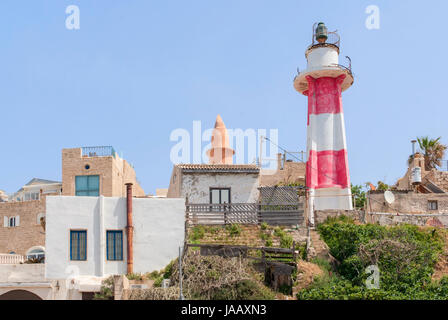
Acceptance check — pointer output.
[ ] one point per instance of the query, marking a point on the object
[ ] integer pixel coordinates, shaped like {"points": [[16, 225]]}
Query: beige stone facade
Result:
{"points": [[113, 173], [29, 233], [288, 172], [408, 202]]}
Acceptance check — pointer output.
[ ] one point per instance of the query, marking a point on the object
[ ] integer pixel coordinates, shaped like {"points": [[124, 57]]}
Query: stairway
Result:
{"points": [[321, 249]]}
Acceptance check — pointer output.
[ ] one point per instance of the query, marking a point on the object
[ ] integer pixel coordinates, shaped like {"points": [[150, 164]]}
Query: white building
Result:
{"points": [[218, 182], [34, 188], [86, 239]]}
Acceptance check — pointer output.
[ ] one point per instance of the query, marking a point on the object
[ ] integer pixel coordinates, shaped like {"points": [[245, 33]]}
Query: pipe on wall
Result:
{"points": [[129, 229]]}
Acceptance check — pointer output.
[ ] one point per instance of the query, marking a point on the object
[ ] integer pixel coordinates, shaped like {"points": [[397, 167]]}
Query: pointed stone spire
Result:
{"points": [[220, 152]]}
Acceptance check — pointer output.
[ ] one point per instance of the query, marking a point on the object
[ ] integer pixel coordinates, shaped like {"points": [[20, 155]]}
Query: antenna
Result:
{"points": [[389, 197]]}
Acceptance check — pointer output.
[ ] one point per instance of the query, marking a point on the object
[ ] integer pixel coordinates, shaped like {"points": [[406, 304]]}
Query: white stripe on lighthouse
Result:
{"points": [[326, 131]]}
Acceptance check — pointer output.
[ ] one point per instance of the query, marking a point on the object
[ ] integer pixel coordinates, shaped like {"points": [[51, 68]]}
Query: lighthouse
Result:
{"points": [[323, 81]]}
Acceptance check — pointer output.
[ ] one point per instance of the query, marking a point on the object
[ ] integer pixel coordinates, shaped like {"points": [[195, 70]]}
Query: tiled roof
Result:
{"points": [[41, 181], [239, 168]]}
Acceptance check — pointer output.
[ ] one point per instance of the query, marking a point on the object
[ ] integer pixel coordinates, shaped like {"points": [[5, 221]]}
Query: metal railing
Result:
{"points": [[332, 38], [244, 213], [100, 151]]}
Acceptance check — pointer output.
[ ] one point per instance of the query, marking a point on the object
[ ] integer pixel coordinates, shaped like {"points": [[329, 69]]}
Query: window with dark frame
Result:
{"points": [[432, 205], [219, 195], [114, 245], [87, 186], [78, 245]]}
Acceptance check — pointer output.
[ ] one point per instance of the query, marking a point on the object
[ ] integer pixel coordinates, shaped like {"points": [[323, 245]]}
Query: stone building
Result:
{"points": [[23, 218], [287, 172], [88, 171], [220, 181], [432, 181], [94, 171]]}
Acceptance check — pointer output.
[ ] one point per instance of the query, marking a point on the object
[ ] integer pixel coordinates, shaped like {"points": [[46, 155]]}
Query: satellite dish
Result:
{"points": [[389, 197]]}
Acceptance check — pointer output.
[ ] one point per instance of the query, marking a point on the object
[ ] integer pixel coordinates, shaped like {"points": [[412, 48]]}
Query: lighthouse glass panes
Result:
{"points": [[87, 186]]}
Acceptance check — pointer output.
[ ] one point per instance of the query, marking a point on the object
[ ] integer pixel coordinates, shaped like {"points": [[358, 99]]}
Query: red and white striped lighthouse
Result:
{"points": [[327, 174]]}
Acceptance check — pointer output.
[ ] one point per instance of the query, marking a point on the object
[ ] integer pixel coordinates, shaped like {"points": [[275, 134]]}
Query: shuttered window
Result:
{"points": [[114, 245], [78, 245], [87, 186]]}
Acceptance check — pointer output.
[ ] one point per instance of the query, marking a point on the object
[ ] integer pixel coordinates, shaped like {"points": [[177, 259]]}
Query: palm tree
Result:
{"points": [[433, 151]]}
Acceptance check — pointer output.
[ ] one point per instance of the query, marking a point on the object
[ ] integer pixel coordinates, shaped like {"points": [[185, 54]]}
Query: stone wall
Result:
{"points": [[407, 202], [29, 233], [387, 219], [287, 172], [321, 215]]}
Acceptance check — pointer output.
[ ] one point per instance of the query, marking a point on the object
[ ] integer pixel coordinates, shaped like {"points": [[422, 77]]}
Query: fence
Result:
{"points": [[11, 258], [245, 213], [101, 151]]}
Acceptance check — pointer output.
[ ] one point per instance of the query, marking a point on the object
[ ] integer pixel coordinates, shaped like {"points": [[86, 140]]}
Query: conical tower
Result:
{"points": [[220, 153], [327, 174]]}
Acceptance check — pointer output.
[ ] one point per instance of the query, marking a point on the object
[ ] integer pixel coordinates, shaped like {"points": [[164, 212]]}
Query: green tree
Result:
{"points": [[433, 151], [359, 196]]}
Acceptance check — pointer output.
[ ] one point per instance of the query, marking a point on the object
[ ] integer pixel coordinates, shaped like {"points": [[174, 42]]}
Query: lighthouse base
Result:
{"points": [[331, 199]]}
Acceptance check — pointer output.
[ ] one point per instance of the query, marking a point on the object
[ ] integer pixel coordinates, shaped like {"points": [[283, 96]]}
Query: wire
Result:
{"points": [[326, 175]]}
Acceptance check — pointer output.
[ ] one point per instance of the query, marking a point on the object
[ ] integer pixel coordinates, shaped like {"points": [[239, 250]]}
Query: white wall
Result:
{"points": [[158, 233], [244, 186]]}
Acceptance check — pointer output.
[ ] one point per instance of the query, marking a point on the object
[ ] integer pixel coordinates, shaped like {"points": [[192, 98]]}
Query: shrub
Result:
{"points": [[286, 241], [234, 229], [197, 233], [264, 226], [106, 291], [404, 254]]}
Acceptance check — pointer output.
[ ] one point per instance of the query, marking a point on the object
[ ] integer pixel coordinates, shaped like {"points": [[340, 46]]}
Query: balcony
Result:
{"points": [[100, 151]]}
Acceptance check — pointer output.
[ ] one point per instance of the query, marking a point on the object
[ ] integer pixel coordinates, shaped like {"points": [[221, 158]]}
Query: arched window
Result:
{"points": [[36, 253]]}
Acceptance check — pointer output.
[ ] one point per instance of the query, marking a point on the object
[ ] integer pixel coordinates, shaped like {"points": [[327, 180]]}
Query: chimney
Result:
{"points": [[129, 229]]}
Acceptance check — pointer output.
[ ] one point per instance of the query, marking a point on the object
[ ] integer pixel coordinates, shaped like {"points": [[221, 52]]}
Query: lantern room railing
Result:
{"points": [[333, 37]]}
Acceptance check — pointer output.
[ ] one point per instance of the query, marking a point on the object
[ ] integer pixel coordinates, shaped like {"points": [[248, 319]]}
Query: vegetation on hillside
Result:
{"points": [[405, 255]]}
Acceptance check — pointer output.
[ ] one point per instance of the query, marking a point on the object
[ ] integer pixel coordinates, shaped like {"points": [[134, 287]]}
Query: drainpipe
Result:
{"points": [[129, 229]]}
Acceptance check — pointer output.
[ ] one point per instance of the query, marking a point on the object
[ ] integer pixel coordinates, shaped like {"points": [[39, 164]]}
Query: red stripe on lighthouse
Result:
{"points": [[324, 95], [327, 169]]}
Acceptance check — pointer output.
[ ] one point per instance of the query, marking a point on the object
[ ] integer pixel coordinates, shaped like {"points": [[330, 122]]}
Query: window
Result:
{"points": [[36, 253], [87, 186], [32, 196], [11, 221], [114, 245], [78, 245], [219, 195], [432, 205]]}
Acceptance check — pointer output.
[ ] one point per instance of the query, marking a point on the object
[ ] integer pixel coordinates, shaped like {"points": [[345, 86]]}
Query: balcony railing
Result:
{"points": [[101, 151], [11, 258], [245, 213]]}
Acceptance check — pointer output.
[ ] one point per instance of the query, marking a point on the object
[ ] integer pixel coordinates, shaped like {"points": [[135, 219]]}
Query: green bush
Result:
{"points": [[264, 226], [197, 233], [243, 290], [404, 254], [234, 229], [286, 241]]}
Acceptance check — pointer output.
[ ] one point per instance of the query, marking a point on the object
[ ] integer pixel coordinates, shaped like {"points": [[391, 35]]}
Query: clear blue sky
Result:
{"points": [[138, 69]]}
